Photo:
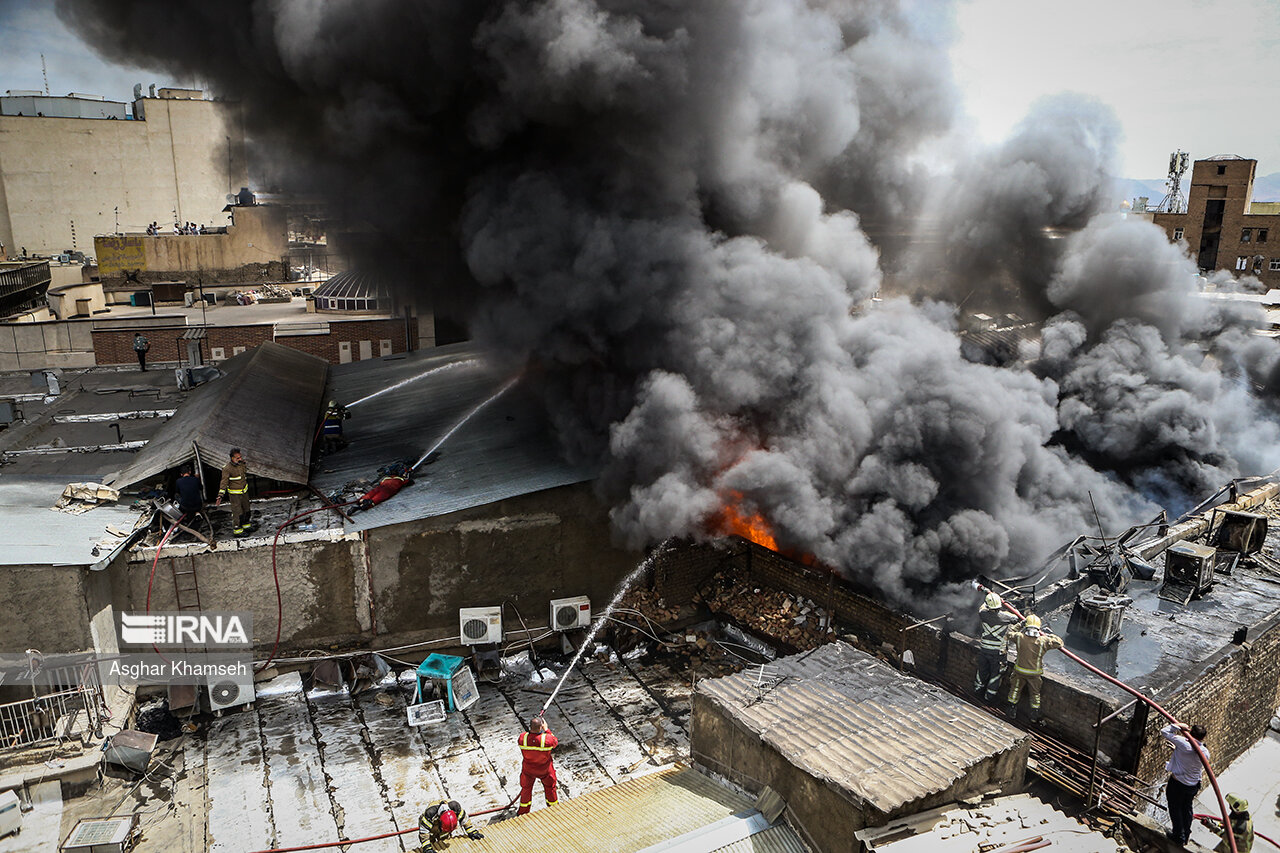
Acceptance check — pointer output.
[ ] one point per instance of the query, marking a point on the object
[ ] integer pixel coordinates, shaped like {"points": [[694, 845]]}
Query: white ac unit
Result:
{"points": [[569, 614], [231, 691], [480, 626]]}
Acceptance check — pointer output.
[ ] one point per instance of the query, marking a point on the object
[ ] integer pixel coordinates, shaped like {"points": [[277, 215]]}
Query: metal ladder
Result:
{"points": [[186, 585]]}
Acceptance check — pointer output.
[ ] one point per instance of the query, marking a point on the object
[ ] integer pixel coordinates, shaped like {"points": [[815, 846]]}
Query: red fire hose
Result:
{"points": [[372, 837], [1255, 832], [1195, 745]]}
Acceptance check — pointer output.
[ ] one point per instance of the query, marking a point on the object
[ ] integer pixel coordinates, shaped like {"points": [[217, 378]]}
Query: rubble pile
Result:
{"points": [[650, 604], [793, 621]]}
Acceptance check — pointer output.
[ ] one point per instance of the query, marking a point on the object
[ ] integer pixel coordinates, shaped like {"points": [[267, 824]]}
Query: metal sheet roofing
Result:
{"points": [[862, 727], [633, 816], [34, 534], [268, 403], [402, 406]]}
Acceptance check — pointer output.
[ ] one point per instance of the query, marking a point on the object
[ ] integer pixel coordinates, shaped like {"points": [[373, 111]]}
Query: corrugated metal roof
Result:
{"points": [[861, 726], [504, 450], [34, 534], [268, 403], [632, 816], [1002, 822]]}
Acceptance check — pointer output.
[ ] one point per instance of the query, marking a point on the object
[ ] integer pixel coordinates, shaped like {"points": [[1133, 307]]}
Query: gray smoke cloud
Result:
{"points": [[679, 213]]}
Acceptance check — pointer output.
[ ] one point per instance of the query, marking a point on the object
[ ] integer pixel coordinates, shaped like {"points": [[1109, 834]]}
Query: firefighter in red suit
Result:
{"points": [[535, 748], [394, 478]]}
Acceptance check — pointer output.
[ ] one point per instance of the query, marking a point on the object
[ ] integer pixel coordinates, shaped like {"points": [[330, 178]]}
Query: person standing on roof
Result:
{"points": [[993, 647], [140, 347], [536, 745], [1031, 642], [437, 822], [331, 428], [235, 484], [1185, 774], [1241, 826]]}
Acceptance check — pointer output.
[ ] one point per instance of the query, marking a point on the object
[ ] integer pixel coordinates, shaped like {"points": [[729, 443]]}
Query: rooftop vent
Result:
{"points": [[1097, 617]]}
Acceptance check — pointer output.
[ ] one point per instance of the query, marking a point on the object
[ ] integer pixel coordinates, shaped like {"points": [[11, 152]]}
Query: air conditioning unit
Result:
{"points": [[1188, 571], [479, 626], [103, 835], [569, 614], [231, 691]]}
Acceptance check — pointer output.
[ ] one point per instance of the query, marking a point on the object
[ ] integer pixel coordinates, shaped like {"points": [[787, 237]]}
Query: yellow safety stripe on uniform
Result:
{"points": [[541, 739], [526, 804], [1022, 671], [237, 491]]}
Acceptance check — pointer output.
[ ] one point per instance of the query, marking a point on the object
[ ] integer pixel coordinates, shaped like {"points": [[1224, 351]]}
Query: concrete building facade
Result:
{"points": [[64, 179], [1223, 227]]}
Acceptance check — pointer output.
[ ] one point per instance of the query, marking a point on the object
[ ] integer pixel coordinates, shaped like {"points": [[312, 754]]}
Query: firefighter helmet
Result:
{"points": [[1033, 621], [448, 820], [1237, 803], [992, 602]]}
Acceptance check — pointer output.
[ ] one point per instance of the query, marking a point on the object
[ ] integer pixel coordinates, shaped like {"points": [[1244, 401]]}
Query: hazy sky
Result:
{"points": [[1200, 76]]}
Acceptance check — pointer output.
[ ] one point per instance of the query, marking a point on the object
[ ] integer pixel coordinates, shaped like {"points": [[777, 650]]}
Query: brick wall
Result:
{"points": [[1233, 697], [115, 346]]}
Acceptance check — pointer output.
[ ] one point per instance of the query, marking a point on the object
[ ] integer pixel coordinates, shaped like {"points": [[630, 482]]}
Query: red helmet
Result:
{"points": [[448, 820]]}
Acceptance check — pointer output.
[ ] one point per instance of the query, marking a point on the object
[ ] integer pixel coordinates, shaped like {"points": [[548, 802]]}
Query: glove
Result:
{"points": [[475, 834]]}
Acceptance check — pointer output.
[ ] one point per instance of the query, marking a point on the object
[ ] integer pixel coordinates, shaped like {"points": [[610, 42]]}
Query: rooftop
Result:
{"points": [[863, 727], [227, 313], [493, 444]]}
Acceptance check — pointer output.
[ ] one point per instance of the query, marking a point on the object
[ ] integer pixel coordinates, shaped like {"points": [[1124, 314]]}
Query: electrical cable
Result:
{"points": [[1195, 745], [347, 841], [533, 655]]}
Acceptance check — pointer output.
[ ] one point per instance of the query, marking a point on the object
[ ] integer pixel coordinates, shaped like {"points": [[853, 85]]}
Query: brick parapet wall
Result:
{"points": [[115, 346], [1233, 696]]}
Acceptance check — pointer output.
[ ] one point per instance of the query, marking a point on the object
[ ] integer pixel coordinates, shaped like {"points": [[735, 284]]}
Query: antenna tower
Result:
{"points": [[1174, 201], [45, 71]]}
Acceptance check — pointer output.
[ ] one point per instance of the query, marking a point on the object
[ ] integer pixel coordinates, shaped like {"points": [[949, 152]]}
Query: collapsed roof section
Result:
{"points": [[267, 403]]}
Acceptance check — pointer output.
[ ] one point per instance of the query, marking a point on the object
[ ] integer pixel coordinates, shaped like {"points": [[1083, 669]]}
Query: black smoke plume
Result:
{"points": [[682, 211]]}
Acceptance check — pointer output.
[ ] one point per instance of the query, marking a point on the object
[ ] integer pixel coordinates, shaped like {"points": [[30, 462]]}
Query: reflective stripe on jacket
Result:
{"points": [[536, 752], [235, 479], [995, 629]]}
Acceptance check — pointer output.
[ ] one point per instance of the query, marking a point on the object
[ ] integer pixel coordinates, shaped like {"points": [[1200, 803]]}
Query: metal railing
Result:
{"points": [[53, 711]]}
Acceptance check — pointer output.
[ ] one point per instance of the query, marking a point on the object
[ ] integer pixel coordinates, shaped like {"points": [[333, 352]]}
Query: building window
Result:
{"points": [[1245, 235], [1177, 233], [1242, 263], [1222, 170], [1262, 235], [1275, 265]]}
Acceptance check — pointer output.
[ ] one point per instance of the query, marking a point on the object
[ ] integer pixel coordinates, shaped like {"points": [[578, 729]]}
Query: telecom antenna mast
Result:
{"points": [[1174, 201]]}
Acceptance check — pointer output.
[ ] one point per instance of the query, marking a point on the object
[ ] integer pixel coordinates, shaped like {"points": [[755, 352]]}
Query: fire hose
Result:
{"points": [[1195, 745], [345, 842]]}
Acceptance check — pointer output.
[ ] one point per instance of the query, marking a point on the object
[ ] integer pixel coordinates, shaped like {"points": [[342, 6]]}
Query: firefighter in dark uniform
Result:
{"points": [[438, 821], [992, 647], [331, 427], [235, 485]]}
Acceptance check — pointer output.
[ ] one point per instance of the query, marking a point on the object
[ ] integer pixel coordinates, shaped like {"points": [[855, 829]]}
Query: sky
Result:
{"points": [[1192, 74]]}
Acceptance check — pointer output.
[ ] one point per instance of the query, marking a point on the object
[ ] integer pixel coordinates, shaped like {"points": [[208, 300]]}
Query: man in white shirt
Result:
{"points": [[1185, 773]]}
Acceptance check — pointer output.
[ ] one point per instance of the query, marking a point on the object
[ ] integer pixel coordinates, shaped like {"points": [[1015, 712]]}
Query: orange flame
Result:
{"points": [[732, 520]]}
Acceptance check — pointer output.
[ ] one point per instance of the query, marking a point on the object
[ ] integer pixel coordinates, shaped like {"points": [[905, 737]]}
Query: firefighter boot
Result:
{"points": [[1011, 710]]}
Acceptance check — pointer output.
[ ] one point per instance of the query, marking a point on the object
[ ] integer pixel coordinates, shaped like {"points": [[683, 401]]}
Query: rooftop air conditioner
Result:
{"points": [[231, 691], [479, 626], [1188, 571], [102, 835], [569, 614]]}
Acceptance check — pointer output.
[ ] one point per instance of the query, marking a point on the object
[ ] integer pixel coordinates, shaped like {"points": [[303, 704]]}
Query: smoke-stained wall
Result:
{"points": [[664, 205]]}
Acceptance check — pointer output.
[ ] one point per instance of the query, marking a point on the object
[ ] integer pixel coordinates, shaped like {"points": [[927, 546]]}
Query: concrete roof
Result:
{"points": [[855, 723], [226, 313], [268, 402], [1163, 642], [35, 534], [504, 449]]}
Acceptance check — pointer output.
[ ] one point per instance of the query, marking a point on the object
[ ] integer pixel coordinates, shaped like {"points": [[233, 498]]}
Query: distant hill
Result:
{"points": [[1265, 188]]}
